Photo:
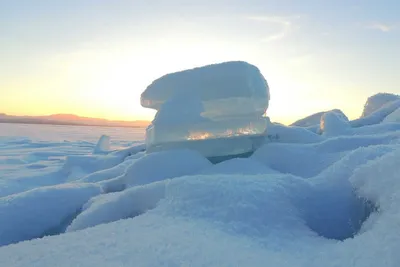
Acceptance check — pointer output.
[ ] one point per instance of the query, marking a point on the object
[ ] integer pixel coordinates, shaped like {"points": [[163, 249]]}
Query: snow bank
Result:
{"points": [[377, 116], [164, 165], [116, 206], [377, 101], [307, 160], [334, 124], [106, 174], [79, 166], [315, 119], [238, 166], [303, 200], [332, 188], [76, 167], [41, 211], [393, 117], [292, 134], [200, 220]]}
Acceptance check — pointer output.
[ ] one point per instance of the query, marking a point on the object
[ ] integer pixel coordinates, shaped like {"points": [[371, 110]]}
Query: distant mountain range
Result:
{"points": [[69, 119]]}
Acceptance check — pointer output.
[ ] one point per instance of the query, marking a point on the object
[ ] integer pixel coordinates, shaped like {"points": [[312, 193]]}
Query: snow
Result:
{"points": [[377, 101], [291, 134], [41, 211], [304, 198], [315, 119], [393, 117], [334, 124], [121, 205], [228, 80], [103, 145], [168, 164], [378, 116]]}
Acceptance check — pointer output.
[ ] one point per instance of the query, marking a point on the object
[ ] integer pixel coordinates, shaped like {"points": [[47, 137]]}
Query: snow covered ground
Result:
{"points": [[323, 194]]}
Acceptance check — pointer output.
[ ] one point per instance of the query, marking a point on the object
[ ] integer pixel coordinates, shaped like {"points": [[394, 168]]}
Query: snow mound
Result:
{"points": [[116, 206], [393, 117], [106, 174], [41, 211], [238, 166], [292, 134], [164, 165], [308, 160], [333, 124], [315, 119], [332, 188], [377, 116], [78, 167], [302, 199], [377, 101]]}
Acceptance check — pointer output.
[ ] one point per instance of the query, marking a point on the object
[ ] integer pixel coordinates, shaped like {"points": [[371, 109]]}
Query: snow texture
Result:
{"points": [[315, 119], [218, 81], [377, 101], [393, 117], [302, 199], [381, 112], [41, 211], [333, 124], [164, 165]]}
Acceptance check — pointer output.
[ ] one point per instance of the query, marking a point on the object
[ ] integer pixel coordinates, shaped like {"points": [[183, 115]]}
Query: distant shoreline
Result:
{"points": [[60, 123]]}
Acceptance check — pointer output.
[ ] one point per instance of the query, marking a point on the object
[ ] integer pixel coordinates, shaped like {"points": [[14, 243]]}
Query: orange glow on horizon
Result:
{"points": [[107, 83]]}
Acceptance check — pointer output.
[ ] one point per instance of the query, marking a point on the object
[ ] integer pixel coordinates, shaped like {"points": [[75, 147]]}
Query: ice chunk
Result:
{"points": [[103, 145], [231, 83], [216, 101], [185, 108], [333, 123], [377, 116], [377, 101]]}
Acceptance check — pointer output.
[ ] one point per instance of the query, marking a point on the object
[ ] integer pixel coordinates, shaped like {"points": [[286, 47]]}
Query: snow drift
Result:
{"points": [[302, 199]]}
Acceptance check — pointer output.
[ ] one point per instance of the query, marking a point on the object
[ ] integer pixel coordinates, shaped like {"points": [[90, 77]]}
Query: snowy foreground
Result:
{"points": [[323, 193]]}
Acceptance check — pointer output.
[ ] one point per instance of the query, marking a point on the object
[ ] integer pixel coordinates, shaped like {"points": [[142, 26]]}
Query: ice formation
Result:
{"points": [[219, 101], [377, 101], [103, 145], [301, 199]]}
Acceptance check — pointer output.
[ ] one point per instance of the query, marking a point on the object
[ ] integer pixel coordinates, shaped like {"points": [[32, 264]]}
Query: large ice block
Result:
{"points": [[218, 101]]}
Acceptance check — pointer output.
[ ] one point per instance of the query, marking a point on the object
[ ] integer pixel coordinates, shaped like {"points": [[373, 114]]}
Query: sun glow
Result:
{"points": [[106, 81]]}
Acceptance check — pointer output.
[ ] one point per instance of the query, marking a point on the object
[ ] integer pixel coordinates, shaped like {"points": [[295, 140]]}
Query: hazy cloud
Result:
{"points": [[381, 27], [284, 24]]}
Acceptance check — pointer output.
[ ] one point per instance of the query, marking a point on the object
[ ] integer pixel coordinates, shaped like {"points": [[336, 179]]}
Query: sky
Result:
{"points": [[94, 58]]}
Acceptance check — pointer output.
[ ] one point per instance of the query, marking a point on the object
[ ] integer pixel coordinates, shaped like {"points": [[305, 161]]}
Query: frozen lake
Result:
{"points": [[310, 196], [28, 148]]}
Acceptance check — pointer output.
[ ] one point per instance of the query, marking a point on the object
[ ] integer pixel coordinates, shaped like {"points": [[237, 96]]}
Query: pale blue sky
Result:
{"points": [[94, 58]]}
